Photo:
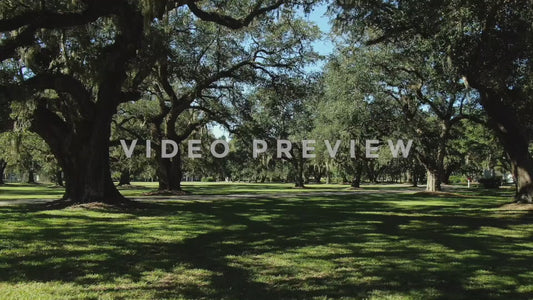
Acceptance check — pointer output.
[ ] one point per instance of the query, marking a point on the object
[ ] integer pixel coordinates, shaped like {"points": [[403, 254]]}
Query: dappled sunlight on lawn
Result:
{"points": [[350, 246]]}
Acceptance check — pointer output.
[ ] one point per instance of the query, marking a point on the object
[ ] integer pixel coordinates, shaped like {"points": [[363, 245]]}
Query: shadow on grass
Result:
{"points": [[245, 188], [357, 246]]}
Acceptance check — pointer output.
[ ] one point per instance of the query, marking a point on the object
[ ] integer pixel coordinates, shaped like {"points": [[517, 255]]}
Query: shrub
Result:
{"points": [[208, 179], [491, 182], [458, 179]]}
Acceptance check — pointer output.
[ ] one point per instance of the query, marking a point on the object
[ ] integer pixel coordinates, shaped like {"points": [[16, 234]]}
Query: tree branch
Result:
{"points": [[191, 127], [35, 20], [229, 21], [61, 83]]}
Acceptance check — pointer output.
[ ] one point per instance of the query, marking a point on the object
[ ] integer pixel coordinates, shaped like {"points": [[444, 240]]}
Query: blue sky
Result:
{"points": [[325, 46]]}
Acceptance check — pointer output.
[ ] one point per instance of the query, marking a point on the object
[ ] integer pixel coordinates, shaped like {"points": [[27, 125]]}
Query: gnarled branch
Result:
{"points": [[229, 21]]}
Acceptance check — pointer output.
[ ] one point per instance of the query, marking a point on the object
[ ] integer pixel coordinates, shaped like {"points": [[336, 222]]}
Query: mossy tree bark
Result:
{"points": [[504, 121]]}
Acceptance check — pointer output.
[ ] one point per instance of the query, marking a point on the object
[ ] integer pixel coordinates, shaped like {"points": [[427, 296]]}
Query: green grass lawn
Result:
{"points": [[138, 189], [360, 246]]}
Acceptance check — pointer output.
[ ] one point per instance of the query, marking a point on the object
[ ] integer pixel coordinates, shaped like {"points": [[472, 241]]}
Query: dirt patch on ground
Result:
{"points": [[166, 193], [131, 187], [93, 206], [517, 206]]}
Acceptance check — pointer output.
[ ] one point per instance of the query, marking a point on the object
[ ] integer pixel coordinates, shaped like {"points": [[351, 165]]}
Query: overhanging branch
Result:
{"points": [[229, 21], [34, 20]]}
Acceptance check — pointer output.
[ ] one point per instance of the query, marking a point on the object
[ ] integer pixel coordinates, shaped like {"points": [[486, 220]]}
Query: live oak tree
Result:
{"points": [[432, 102], [79, 61], [225, 63], [478, 150], [179, 89], [208, 168], [30, 157], [242, 165], [23, 152], [383, 92], [346, 113], [488, 43], [284, 110], [144, 125]]}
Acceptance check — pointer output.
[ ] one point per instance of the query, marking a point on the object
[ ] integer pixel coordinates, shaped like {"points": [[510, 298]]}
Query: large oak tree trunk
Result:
{"points": [[356, 182], [298, 172], [503, 120], [31, 176], [446, 175], [87, 173], [434, 161], [318, 178], [85, 183], [169, 173], [328, 174], [433, 181], [125, 178], [3, 166], [413, 174], [83, 156], [58, 178]]}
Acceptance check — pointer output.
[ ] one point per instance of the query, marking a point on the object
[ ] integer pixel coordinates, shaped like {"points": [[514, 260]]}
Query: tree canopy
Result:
{"points": [[89, 77]]}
